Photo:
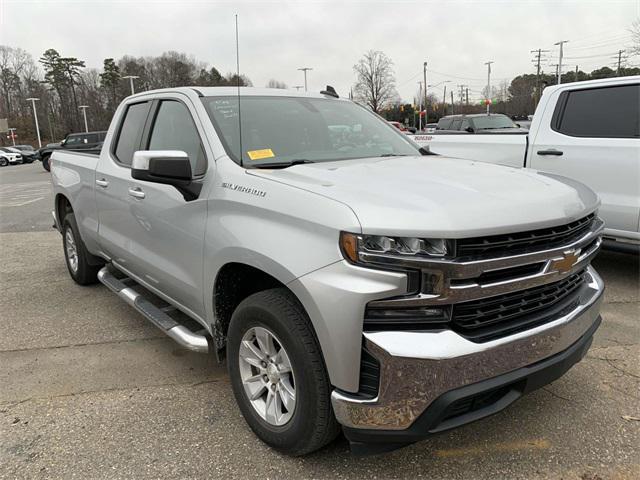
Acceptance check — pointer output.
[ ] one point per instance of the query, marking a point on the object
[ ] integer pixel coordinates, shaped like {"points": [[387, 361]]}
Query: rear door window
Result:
{"points": [[130, 132], [455, 125], [606, 112]]}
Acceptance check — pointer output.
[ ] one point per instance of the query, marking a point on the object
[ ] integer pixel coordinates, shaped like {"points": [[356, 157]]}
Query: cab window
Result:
{"points": [[174, 129]]}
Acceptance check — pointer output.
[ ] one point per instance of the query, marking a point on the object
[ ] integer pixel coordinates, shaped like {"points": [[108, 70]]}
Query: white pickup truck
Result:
{"points": [[347, 279], [589, 131]]}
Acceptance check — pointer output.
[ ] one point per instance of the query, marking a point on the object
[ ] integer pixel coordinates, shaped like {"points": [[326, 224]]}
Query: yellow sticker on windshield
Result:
{"points": [[260, 154]]}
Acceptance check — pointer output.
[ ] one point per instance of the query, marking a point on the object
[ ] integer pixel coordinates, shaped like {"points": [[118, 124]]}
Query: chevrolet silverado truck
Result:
{"points": [[588, 131], [346, 280]]}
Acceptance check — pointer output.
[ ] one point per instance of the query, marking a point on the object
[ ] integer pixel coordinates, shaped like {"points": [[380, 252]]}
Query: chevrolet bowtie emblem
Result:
{"points": [[565, 264]]}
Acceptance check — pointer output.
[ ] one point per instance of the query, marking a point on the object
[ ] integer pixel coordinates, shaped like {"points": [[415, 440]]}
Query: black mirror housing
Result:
{"points": [[166, 167]]}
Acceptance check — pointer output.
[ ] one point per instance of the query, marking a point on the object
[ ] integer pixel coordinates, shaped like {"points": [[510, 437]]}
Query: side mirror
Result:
{"points": [[169, 167], [469, 129]]}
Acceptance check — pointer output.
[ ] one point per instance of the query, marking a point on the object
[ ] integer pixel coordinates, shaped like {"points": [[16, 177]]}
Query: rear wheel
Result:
{"points": [[278, 374], [76, 255]]}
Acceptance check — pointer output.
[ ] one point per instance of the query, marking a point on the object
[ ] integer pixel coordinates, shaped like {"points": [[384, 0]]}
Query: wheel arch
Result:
{"points": [[235, 281]]}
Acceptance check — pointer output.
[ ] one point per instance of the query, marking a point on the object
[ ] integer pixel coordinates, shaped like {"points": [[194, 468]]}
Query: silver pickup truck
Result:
{"points": [[346, 279]]}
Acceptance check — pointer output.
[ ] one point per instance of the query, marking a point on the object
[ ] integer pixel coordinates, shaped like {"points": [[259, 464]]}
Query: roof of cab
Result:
{"points": [[233, 92]]}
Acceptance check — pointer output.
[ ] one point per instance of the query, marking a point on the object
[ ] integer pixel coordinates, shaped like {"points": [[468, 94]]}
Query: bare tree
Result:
{"points": [[375, 85], [276, 84], [634, 48]]}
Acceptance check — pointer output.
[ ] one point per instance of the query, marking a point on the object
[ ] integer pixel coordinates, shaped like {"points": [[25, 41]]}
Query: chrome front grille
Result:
{"points": [[523, 241], [490, 295]]}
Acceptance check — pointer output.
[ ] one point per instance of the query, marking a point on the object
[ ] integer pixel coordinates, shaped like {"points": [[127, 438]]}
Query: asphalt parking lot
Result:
{"points": [[88, 389]]}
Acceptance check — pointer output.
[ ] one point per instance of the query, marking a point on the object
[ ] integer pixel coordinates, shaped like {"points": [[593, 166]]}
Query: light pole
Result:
{"points": [[426, 109], [12, 133], [131, 79], [420, 106], [305, 70], [561, 43], [35, 117], [84, 113], [488, 64]]}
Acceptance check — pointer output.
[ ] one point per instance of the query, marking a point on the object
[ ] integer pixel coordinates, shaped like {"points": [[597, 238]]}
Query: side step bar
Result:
{"points": [[156, 315]]}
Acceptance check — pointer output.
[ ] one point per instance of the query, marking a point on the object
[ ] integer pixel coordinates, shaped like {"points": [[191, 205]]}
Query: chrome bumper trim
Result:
{"points": [[418, 367], [447, 270]]}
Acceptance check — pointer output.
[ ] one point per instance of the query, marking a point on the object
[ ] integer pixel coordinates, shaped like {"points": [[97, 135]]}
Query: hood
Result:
{"points": [[434, 196]]}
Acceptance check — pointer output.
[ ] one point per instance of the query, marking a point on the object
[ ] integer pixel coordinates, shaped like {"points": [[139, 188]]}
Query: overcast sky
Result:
{"points": [[276, 38]]}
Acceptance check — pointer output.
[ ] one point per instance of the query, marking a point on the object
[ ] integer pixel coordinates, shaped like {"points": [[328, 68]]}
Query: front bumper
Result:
{"points": [[418, 369]]}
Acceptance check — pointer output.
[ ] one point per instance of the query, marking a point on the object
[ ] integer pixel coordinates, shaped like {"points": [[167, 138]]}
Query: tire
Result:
{"points": [[4, 162], [81, 270], [45, 163], [311, 423]]}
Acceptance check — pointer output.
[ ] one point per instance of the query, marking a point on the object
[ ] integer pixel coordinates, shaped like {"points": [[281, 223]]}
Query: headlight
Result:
{"points": [[365, 248]]}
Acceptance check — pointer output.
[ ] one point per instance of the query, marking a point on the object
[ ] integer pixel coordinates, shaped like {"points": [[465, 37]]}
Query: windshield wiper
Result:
{"points": [[291, 163]]}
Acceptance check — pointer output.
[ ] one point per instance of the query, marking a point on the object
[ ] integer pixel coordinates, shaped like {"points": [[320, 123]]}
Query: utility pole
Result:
{"points": [[444, 100], [488, 64], [12, 133], [420, 106], [620, 52], [576, 79], [452, 107], [537, 59], [467, 99], [131, 79], [35, 117], [84, 114], [561, 44], [461, 87], [305, 70], [426, 108]]}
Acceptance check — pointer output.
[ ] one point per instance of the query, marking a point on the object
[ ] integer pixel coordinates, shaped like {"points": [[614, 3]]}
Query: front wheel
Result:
{"points": [[4, 162], [45, 163], [278, 375]]}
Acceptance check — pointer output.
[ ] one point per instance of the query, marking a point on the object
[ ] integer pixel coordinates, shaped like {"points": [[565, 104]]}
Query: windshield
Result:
{"points": [[493, 121], [278, 130]]}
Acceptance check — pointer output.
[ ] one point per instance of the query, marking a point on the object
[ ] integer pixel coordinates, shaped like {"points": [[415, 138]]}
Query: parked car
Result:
{"points": [[478, 123], [588, 131], [398, 125], [346, 279], [430, 127], [9, 157], [73, 141], [27, 152]]}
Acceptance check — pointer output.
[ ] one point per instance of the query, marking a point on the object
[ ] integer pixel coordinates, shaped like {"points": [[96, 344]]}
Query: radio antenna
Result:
{"points": [[238, 84]]}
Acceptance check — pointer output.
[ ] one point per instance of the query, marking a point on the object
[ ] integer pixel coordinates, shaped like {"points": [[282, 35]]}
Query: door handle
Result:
{"points": [[102, 183], [551, 151], [136, 192]]}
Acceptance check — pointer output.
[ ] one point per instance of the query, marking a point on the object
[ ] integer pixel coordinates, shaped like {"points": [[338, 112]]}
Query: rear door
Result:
{"points": [[112, 182], [593, 135]]}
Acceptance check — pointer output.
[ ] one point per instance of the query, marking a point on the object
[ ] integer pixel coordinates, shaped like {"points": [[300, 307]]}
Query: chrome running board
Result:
{"points": [[156, 315]]}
